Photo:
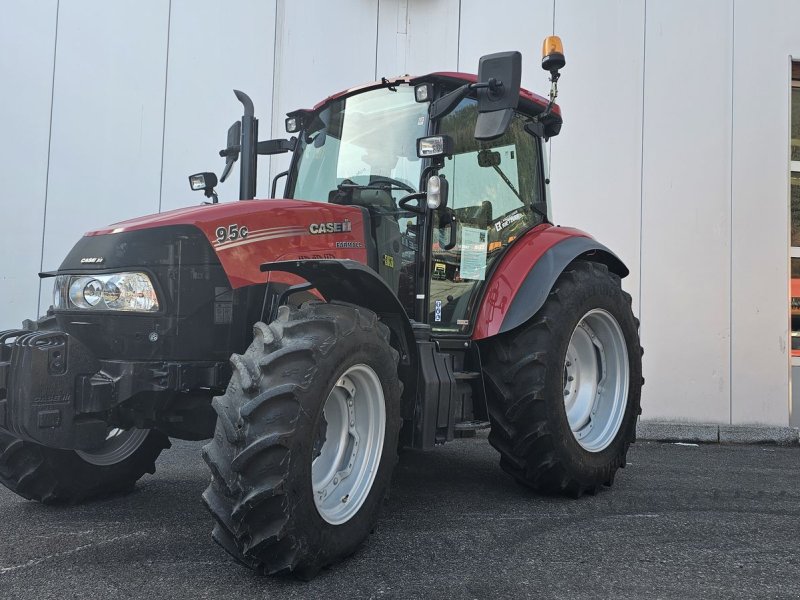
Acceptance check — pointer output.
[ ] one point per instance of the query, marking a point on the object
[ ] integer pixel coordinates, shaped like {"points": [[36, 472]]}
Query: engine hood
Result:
{"points": [[243, 235]]}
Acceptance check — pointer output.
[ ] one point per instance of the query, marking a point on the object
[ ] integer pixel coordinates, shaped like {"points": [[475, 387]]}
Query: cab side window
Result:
{"points": [[496, 194]]}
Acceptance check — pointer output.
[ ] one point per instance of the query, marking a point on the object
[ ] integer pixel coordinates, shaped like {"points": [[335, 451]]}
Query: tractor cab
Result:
{"points": [[447, 168]]}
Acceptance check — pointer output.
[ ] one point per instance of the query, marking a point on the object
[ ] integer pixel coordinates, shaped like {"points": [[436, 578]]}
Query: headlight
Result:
{"points": [[133, 292]]}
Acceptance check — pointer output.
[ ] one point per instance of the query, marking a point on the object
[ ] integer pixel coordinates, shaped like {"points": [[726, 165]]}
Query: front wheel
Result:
{"points": [[306, 439], [50, 475], [565, 387]]}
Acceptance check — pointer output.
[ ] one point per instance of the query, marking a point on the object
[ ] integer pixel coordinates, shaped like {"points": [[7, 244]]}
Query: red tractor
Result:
{"points": [[310, 337]]}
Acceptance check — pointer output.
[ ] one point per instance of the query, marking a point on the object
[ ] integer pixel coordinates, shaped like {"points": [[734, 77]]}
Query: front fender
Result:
{"points": [[350, 281], [520, 284]]}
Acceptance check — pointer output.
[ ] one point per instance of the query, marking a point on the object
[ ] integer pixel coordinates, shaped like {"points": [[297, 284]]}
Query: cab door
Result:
{"points": [[496, 193]]}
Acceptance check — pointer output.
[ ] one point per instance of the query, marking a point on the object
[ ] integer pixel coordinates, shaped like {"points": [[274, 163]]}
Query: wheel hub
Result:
{"points": [[119, 445], [596, 373], [349, 447]]}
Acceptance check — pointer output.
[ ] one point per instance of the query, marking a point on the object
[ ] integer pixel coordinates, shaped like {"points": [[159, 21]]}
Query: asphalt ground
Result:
{"points": [[680, 522]]}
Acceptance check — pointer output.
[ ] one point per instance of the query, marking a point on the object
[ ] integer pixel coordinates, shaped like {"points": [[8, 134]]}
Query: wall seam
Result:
{"points": [[641, 163], [49, 145], [550, 141], [164, 114], [377, 34], [458, 39], [275, 69], [730, 212]]}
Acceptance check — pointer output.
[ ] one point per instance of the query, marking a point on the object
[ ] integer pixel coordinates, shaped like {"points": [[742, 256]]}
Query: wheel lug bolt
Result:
{"points": [[569, 364], [570, 378]]}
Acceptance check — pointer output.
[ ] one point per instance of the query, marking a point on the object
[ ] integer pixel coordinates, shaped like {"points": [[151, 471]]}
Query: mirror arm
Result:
{"points": [[232, 151], [276, 146], [445, 105]]}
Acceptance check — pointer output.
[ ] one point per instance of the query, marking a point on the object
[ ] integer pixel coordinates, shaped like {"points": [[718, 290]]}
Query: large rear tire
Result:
{"points": [[306, 439], [564, 389], [52, 476]]}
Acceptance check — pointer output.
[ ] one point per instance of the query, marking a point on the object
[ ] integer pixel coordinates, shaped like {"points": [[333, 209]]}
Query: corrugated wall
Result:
{"points": [[674, 151]]}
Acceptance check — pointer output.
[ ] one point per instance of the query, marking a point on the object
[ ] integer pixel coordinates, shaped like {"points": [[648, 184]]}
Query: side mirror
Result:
{"points": [[231, 152], [488, 158], [499, 78]]}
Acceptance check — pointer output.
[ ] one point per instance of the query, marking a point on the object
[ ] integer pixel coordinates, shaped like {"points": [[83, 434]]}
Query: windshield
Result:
{"points": [[367, 139]]}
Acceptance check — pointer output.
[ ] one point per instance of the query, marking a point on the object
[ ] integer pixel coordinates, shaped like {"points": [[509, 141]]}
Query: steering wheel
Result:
{"points": [[379, 179]]}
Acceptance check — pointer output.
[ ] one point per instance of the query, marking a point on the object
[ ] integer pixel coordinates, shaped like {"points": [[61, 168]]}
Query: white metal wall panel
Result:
{"points": [[108, 111], [519, 26], [417, 36], [597, 158], [214, 47], [26, 64], [686, 211], [712, 120], [760, 275], [321, 50]]}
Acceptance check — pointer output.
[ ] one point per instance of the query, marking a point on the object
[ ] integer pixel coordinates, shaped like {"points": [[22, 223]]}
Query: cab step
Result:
{"points": [[472, 425], [466, 375]]}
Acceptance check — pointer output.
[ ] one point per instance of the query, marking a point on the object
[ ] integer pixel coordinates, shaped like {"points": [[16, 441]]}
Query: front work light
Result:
{"points": [[292, 125], [202, 181], [423, 92], [435, 146]]}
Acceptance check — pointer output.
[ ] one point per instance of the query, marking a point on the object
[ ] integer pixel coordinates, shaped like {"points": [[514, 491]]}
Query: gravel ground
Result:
{"points": [[681, 522]]}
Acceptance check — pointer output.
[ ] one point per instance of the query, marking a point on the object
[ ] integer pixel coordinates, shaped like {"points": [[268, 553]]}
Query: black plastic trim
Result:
{"points": [[540, 279], [353, 282]]}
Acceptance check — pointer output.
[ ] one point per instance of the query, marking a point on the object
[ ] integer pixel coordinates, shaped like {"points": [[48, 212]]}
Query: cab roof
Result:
{"points": [[530, 102]]}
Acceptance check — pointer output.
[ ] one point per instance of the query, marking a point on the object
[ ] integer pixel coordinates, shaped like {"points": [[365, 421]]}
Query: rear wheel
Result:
{"points": [[50, 475], [565, 387], [306, 439]]}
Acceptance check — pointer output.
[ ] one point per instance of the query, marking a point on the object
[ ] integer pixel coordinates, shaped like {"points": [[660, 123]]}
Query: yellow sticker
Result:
{"points": [[388, 261]]}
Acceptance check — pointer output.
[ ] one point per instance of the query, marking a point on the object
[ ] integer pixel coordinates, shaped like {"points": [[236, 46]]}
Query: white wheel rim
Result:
{"points": [[347, 449], [119, 445], [596, 373]]}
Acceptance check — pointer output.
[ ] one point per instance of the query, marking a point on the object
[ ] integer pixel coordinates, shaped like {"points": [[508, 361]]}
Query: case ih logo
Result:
{"points": [[92, 260], [343, 227]]}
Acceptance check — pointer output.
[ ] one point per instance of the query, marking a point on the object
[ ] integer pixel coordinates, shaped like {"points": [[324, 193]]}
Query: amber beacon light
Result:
{"points": [[553, 54]]}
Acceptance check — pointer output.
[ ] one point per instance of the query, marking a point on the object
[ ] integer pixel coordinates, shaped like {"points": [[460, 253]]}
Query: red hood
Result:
{"points": [[196, 215], [247, 233]]}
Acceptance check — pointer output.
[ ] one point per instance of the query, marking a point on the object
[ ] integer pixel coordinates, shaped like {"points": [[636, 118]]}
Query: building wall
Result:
{"points": [[674, 150]]}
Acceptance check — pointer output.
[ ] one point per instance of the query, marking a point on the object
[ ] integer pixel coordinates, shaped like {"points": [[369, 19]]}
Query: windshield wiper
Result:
{"points": [[532, 206]]}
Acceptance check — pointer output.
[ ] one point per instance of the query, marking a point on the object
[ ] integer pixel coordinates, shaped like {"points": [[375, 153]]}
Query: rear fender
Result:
{"points": [[520, 284]]}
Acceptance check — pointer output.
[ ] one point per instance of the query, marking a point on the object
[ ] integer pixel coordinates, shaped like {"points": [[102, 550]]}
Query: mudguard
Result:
{"points": [[520, 284], [350, 281]]}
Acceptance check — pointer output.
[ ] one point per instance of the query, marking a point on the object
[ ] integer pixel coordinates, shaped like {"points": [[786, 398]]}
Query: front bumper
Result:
{"points": [[54, 392]]}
